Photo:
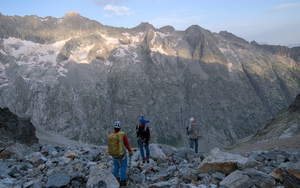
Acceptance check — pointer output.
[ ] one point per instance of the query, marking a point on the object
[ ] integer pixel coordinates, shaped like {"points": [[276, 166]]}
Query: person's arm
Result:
{"points": [[126, 143], [137, 131]]}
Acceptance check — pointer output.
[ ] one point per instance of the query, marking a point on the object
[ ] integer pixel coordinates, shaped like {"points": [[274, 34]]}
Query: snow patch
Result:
{"points": [[100, 51], [109, 40], [229, 66], [3, 52], [153, 39], [30, 54], [121, 52], [174, 45], [159, 49], [108, 63], [3, 85], [43, 52], [43, 20], [81, 54], [227, 50], [163, 35]]}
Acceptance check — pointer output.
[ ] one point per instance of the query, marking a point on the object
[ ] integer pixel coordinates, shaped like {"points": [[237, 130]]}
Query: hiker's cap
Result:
{"points": [[191, 120], [117, 125], [143, 121]]}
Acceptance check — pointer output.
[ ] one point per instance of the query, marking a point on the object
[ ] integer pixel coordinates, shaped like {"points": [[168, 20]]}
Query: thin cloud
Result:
{"points": [[283, 7], [117, 11], [107, 2]]}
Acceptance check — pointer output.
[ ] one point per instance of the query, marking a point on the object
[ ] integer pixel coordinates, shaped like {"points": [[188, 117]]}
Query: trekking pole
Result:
{"points": [[129, 171]]}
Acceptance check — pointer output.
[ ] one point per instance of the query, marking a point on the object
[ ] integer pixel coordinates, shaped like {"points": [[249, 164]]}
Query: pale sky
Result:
{"points": [[276, 22]]}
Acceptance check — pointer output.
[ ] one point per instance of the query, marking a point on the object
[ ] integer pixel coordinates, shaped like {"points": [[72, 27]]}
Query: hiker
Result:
{"points": [[194, 134], [115, 143], [143, 135]]}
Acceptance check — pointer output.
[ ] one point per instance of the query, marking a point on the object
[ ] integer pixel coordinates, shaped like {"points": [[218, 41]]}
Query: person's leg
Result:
{"points": [[191, 143], [141, 149], [123, 168], [116, 167], [147, 153], [147, 150], [196, 145]]}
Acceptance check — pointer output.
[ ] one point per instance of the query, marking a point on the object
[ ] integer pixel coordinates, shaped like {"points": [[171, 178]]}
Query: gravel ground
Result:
{"points": [[48, 138], [287, 144]]}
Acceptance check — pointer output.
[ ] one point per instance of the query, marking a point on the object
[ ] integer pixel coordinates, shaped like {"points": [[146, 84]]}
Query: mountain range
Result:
{"points": [[74, 77]]}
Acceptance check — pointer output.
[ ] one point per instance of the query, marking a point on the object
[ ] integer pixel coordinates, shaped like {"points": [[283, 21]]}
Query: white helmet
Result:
{"points": [[117, 124]]}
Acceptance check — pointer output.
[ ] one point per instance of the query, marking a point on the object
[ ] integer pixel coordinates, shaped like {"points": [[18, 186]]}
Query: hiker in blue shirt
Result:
{"points": [[143, 135]]}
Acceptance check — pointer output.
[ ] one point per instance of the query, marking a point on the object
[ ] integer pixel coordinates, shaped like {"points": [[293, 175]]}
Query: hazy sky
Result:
{"points": [[276, 22]]}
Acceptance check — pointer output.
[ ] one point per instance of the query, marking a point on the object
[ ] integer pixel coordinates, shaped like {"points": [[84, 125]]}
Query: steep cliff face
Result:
{"points": [[74, 77]]}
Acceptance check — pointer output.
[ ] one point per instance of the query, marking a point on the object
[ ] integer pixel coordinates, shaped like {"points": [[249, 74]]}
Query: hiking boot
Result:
{"points": [[144, 160], [148, 160], [123, 183], [119, 180]]}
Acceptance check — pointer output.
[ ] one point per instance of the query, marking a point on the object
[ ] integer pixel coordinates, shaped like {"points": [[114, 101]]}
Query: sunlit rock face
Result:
{"points": [[74, 77]]}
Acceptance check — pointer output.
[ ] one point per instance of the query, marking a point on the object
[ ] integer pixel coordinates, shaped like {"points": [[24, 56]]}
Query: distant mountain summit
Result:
{"points": [[72, 13], [74, 77]]}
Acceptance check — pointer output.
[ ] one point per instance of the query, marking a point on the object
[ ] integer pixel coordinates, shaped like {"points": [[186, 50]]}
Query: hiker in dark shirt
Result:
{"points": [[143, 135], [194, 134]]}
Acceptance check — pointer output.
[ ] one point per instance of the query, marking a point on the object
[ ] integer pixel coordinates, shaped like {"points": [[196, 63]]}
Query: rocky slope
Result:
{"points": [[281, 131], [53, 166], [74, 77], [71, 165]]}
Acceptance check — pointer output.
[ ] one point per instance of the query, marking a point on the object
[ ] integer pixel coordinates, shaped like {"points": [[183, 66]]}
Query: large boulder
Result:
{"points": [[98, 174], [223, 162], [260, 179], [236, 180], [61, 179], [156, 152], [291, 178], [15, 129], [17, 149]]}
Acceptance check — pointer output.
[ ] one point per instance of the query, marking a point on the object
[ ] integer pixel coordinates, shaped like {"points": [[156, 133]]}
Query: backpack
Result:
{"points": [[115, 144], [146, 126], [187, 130]]}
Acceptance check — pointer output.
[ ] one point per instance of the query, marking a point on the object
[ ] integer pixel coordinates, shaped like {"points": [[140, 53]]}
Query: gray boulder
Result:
{"points": [[236, 180], [36, 158], [260, 179], [97, 174], [61, 179]]}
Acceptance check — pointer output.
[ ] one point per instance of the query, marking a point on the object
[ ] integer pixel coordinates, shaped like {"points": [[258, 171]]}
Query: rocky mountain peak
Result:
{"points": [[72, 13], [233, 38], [143, 27], [167, 29]]}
